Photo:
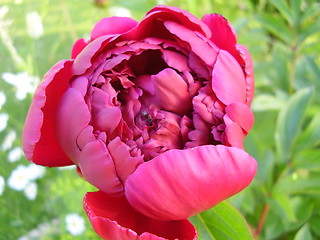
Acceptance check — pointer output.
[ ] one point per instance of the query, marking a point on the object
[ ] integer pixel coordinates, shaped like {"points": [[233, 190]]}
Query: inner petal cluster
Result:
{"points": [[155, 96]]}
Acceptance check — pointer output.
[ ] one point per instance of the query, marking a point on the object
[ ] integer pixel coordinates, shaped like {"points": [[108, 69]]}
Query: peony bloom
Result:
{"points": [[154, 115]]}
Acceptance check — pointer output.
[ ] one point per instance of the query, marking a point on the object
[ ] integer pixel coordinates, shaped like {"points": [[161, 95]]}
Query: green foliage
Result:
{"points": [[283, 38], [222, 222]]}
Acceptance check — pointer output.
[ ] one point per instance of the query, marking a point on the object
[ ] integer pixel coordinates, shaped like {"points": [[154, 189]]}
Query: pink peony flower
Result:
{"points": [[154, 115]]}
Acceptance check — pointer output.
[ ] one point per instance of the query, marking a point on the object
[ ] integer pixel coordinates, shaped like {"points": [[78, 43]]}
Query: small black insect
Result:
{"points": [[147, 118]]}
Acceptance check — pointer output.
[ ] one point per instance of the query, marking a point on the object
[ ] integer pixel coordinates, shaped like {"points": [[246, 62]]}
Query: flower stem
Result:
{"points": [[262, 220]]}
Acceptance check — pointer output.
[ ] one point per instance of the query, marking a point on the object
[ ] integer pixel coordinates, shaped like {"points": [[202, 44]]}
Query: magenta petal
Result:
{"points": [[39, 138], [241, 114], [77, 47], [223, 34], [73, 116], [197, 44], [171, 92], [124, 163], [98, 168], [107, 119], [112, 25], [83, 60], [248, 70], [189, 20], [180, 183], [234, 135], [228, 81], [114, 218]]}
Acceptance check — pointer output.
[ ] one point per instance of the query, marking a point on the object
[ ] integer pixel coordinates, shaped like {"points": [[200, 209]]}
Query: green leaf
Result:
{"points": [[289, 121], [284, 9], [281, 203], [307, 159], [223, 222], [311, 136], [312, 28], [310, 12], [299, 182], [304, 233], [275, 26]]}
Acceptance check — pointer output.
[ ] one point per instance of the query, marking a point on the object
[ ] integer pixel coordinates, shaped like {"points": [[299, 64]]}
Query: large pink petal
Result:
{"points": [[124, 163], [181, 16], [83, 60], [73, 116], [197, 43], [114, 218], [180, 183], [223, 34], [234, 135], [152, 24], [112, 25], [98, 168], [249, 72], [77, 47], [228, 81], [171, 92], [39, 138], [241, 114]]}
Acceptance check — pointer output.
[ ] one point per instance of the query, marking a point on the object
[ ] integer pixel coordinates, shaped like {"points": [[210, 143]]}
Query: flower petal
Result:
{"points": [[241, 114], [223, 34], [125, 164], [73, 116], [39, 140], [228, 81], [180, 183], [248, 70], [112, 25], [114, 218], [198, 44], [77, 47], [171, 92], [98, 168]]}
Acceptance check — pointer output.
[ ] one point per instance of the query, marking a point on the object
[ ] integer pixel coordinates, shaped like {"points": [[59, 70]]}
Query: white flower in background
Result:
{"points": [[8, 139], [34, 24], [23, 82], [119, 11], [35, 171], [75, 224], [18, 1], [1, 185], [15, 154], [3, 121], [19, 178], [2, 99], [31, 191]]}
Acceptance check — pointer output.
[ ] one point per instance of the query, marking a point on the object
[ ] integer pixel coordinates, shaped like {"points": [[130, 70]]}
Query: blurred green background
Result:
{"points": [[283, 201]]}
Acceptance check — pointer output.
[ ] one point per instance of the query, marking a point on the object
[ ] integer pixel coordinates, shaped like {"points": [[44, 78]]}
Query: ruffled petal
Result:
{"points": [[39, 139], [171, 92], [241, 114], [97, 167], [77, 47], [196, 42], [228, 81], [180, 183], [112, 25], [182, 16], [114, 218], [73, 116], [125, 164], [223, 34], [83, 61], [249, 72]]}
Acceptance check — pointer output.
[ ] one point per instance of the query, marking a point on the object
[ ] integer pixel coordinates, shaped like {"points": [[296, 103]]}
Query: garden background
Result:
{"points": [[283, 201]]}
